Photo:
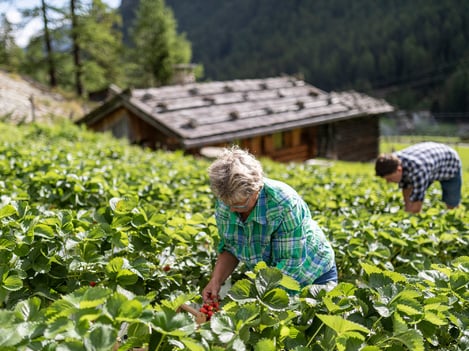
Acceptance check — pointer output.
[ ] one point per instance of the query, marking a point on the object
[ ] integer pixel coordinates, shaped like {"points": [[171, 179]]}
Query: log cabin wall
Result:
{"points": [[146, 135], [124, 124], [288, 145], [357, 139], [116, 122], [309, 137]]}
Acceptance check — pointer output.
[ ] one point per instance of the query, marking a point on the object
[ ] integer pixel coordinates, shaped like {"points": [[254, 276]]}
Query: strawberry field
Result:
{"points": [[102, 242]]}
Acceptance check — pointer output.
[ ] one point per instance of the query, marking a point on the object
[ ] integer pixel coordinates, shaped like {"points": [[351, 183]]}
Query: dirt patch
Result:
{"points": [[24, 101]]}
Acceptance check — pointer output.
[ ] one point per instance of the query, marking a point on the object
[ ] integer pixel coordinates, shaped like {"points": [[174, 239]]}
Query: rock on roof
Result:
{"points": [[211, 112]]}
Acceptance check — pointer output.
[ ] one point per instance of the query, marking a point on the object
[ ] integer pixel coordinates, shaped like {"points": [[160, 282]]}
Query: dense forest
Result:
{"points": [[415, 54]]}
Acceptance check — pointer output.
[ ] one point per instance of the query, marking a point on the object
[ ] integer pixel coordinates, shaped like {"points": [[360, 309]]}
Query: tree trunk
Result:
{"points": [[76, 50], [50, 58]]}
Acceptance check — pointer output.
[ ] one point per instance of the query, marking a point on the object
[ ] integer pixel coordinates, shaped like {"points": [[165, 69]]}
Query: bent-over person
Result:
{"points": [[261, 219], [416, 167]]}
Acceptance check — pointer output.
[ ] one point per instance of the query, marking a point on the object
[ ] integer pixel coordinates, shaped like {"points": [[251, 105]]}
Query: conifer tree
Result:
{"points": [[157, 45], [11, 54]]}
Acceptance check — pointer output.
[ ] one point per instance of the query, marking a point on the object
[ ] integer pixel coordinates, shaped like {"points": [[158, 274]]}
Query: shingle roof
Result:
{"points": [[203, 113]]}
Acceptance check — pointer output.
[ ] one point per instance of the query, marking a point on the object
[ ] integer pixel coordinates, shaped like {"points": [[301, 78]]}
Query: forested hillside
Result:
{"points": [[415, 53]]}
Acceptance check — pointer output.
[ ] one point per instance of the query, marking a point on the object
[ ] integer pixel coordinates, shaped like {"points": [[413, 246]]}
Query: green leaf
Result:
{"points": [[130, 310], [408, 310], [247, 312], [238, 345], [12, 283], [399, 325], [90, 252], [289, 283], [192, 345], [30, 309], [61, 308], [412, 339], [382, 310], [72, 346], [462, 263], [350, 340], [435, 319], [395, 276], [369, 269], [123, 205], [341, 325], [330, 305], [44, 231], [101, 338], [10, 331], [170, 322], [242, 291], [7, 211], [58, 326], [267, 279], [113, 304], [223, 327], [276, 299], [265, 345], [138, 330], [92, 297], [126, 277], [459, 280], [260, 266], [115, 265], [41, 264], [408, 294]]}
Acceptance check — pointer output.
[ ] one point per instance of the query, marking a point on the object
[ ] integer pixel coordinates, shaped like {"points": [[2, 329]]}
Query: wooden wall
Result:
{"points": [[357, 139], [123, 124], [294, 145]]}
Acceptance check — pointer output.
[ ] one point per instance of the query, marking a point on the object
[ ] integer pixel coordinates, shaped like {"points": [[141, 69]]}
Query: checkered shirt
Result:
{"points": [[424, 163], [278, 231]]}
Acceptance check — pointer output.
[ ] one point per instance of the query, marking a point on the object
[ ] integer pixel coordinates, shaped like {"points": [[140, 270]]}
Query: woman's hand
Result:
{"points": [[224, 266], [211, 292]]}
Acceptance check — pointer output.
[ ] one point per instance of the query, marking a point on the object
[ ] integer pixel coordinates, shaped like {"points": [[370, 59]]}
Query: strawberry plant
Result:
{"points": [[102, 242]]}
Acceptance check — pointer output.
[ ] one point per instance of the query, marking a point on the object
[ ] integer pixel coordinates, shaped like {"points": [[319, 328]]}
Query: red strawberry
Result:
{"points": [[167, 268], [92, 283], [209, 309]]}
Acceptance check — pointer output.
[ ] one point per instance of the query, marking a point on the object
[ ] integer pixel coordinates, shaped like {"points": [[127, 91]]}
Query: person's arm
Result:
{"points": [[225, 265], [411, 206]]}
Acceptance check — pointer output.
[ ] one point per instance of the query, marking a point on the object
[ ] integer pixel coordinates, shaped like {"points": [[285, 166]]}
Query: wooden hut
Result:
{"points": [[283, 118]]}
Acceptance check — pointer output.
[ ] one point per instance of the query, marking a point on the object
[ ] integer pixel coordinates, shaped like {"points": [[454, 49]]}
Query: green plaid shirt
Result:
{"points": [[278, 231]]}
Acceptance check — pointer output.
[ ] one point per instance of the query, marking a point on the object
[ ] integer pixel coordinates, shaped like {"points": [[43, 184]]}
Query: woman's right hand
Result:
{"points": [[211, 292]]}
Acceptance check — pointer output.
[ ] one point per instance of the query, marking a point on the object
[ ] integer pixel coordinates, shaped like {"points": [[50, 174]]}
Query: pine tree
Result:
{"points": [[11, 55], [157, 45]]}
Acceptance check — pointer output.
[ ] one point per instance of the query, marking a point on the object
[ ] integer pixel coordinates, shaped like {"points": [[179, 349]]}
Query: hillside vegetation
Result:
{"points": [[23, 100], [99, 237], [412, 52]]}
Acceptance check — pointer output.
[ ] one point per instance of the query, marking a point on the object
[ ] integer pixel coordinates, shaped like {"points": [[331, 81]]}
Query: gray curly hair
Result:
{"points": [[235, 175]]}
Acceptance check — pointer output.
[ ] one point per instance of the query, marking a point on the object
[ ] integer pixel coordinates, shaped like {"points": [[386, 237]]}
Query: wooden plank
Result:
{"points": [[268, 144], [296, 137], [297, 153]]}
